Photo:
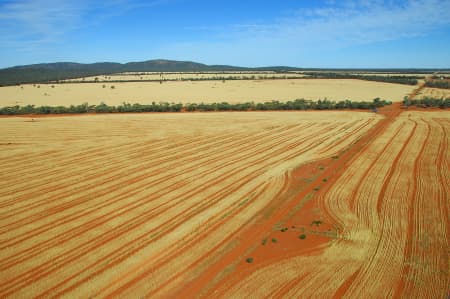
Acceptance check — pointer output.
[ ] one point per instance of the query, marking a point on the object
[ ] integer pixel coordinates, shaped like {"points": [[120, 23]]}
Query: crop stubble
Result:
{"points": [[234, 91], [391, 205], [123, 204]]}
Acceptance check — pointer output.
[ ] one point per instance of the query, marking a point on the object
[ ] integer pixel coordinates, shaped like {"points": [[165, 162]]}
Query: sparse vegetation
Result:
{"points": [[428, 102], [249, 260], [302, 236], [397, 79], [274, 240]]}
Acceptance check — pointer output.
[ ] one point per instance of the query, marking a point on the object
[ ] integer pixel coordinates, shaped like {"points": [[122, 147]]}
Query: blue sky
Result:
{"points": [[303, 33]]}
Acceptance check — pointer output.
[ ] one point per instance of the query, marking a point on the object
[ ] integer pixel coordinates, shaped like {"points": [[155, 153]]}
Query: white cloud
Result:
{"points": [[328, 29], [356, 22]]}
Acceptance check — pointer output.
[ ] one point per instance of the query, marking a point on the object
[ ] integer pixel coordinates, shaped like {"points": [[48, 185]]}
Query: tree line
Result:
{"points": [[162, 79], [435, 83], [428, 102], [299, 104], [398, 79]]}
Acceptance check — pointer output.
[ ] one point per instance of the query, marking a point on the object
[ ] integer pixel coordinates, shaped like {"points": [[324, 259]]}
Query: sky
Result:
{"points": [[301, 33]]}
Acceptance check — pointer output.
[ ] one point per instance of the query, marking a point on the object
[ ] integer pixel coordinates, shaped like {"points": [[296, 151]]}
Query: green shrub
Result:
{"points": [[302, 236]]}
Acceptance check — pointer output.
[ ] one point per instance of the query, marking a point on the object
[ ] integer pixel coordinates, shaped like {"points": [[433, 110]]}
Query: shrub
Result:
{"points": [[249, 260], [302, 236], [274, 240], [316, 222]]}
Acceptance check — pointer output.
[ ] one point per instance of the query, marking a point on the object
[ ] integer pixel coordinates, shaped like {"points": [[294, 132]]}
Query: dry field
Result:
{"points": [[201, 91], [366, 73], [179, 76], [172, 205], [434, 93], [137, 205], [391, 209]]}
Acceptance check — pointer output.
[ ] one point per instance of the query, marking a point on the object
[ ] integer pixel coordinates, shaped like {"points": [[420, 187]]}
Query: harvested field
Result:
{"points": [[390, 208], [434, 93], [127, 205], [201, 91], [185, 76]]}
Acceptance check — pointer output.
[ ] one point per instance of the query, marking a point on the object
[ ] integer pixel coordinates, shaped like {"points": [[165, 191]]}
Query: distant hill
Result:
{"points": [[45, 72]]}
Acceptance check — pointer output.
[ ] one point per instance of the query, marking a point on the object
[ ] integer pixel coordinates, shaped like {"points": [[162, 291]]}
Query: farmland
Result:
{"points": [[233, 91], [161, 76], [434, 93], [119, 204], [390, 207], [158, 205], [224, 204], [224, 149]]}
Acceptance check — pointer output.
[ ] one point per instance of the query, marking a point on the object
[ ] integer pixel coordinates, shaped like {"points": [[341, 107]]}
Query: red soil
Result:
{"points": [[258, 239]]}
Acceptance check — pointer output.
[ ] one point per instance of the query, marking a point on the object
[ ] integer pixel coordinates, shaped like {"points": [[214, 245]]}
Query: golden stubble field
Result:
{"points": [[136, 76], [92, 206], [233, 91], [147, 205], [391, 206], [434, 93]]}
